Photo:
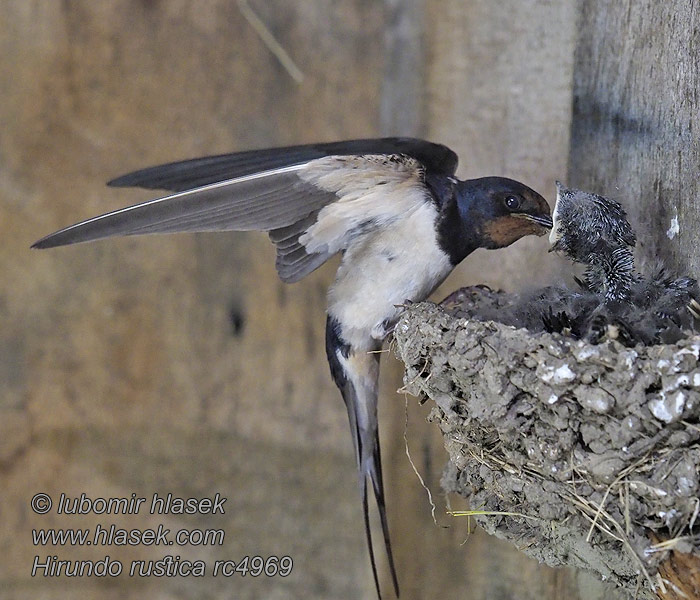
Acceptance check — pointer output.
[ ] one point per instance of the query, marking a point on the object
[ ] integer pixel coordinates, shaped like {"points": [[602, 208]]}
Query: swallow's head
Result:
{"points": [[503, 210]]}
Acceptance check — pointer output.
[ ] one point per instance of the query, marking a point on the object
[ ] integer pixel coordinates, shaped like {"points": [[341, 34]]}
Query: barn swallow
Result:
{"points": [[392, 207]]}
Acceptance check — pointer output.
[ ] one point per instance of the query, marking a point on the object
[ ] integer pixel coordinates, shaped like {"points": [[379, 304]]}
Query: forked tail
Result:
{"points": [[356, 373]]}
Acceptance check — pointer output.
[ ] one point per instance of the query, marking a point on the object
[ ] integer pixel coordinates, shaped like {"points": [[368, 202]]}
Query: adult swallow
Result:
{"points": [[391, 206]]}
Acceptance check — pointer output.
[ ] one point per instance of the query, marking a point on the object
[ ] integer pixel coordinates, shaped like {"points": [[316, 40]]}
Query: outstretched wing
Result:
{"points": [[189, 174], [311, 209]]}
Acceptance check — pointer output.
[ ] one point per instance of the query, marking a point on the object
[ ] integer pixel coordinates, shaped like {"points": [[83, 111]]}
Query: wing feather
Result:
{"points": [[310, 210], [373, 191], [291, 273], [293, 261], [188, 174], [260, 202]]}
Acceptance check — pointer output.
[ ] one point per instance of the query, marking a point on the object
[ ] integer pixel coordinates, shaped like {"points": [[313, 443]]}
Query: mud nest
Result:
{"points": [[592, 450]]}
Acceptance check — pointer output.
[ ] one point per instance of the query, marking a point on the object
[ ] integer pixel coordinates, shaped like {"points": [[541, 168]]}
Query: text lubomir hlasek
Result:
{"points": [[160, 505]]}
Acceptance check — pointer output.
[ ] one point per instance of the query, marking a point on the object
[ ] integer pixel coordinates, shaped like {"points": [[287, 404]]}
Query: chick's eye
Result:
{"points": [[512, 202]]}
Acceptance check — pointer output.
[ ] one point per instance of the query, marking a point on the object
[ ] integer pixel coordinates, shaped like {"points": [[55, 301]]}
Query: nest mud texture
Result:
{"points": [[595, 448]]}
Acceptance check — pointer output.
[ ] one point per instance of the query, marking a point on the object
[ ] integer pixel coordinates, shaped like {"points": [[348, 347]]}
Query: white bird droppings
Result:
{"points": [[673, 230], [668, 408], [562, 374]]}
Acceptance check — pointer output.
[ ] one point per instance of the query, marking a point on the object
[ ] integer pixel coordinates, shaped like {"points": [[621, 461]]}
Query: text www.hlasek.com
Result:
{"points": [[116, 536], [170, 565]]}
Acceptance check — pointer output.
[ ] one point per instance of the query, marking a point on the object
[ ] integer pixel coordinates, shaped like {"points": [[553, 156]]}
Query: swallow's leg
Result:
{"points": [[384, 329]]}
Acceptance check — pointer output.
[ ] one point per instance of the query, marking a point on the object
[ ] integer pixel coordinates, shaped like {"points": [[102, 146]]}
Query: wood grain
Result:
{"points": [[122, 369], [498, 90], [636, 114], [681, 577]]}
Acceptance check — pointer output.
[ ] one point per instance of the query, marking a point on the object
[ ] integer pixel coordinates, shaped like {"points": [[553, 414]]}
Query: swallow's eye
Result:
{"points": [[512, 202]]}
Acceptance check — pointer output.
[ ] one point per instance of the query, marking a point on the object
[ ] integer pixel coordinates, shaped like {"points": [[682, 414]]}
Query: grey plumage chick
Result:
{"points": [[615, 300], [666, 306], [594, 230]]}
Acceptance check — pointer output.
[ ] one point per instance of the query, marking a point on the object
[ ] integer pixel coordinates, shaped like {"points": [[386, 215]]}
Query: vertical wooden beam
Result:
{"points": [[634, 137], [499, 92], [402, 94], [172, 364]]}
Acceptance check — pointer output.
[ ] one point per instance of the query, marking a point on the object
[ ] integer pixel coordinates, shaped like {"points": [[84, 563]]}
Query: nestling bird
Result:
{"points": [[594, 230], [391, 206], [613, 301], [646, 308]]}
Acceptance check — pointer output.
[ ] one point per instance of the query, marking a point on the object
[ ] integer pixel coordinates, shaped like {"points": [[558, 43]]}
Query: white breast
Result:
{"points": [[383, 269]]}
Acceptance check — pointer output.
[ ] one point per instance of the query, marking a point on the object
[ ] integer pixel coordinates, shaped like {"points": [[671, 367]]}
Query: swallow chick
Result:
{"points": [[615, 300], [594, 230], [392, 207], [667, 306]]}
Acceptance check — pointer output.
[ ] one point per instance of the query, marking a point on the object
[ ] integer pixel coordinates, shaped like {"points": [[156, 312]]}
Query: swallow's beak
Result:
{"points": [[544, 221]]}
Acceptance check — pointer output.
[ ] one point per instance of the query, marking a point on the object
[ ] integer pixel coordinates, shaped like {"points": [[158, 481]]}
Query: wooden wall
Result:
{"points": [[636, 119], [181, 364]]}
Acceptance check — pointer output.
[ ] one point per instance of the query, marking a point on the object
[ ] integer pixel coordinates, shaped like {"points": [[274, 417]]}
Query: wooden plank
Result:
{"points": [[634, 138], [126, 372], [402, 110], [119, 362]]}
